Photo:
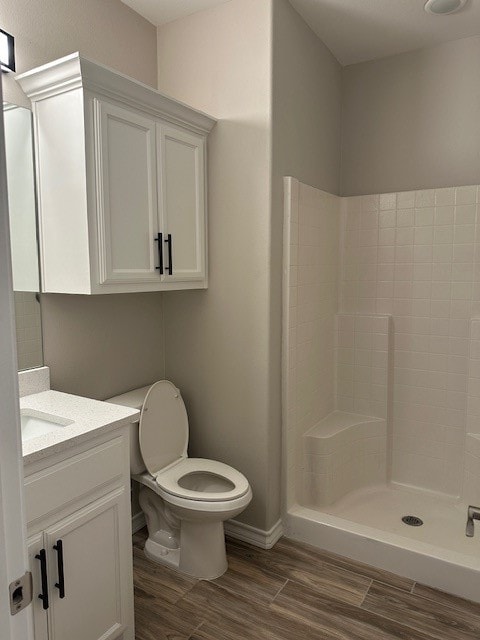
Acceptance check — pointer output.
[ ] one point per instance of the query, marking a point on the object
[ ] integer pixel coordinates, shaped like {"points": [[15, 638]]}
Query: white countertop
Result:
{"points": [[88, 416]]}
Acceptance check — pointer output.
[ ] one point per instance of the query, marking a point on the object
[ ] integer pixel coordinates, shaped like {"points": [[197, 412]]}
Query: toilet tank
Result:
{"points": [[133, 399]]}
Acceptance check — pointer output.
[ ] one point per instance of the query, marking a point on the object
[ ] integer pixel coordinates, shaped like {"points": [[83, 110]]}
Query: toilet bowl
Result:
{"points": [[185, 500]]}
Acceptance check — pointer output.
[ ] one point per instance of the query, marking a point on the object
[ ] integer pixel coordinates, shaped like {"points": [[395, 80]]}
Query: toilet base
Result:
{"points": [[184, 534], [201, 554], [202, 549], [162, 555]]}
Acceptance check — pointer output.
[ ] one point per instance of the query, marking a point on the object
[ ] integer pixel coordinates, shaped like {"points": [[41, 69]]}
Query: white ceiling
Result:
{"points": [[359, 30], [353, 30], [161, 11]]}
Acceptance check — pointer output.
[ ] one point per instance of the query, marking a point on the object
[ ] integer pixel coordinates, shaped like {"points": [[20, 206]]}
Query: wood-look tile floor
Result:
{"points": [[293, 592]]}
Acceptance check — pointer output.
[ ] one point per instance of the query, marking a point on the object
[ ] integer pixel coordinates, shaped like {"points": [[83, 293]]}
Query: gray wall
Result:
{"points": [[412, 121], [307, 86], [100, 346], [217, 341], [96, 346], [105, 30]]}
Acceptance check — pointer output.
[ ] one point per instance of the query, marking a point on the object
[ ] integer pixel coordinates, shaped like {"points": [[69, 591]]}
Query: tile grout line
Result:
{"points": [[197, 628], [270, 572], [363, 575], [405, 624], [234, 592], [452, 606], [418, 598], [366, 593], [279, 591], [187, 591], [323, 593], [330, 563]]}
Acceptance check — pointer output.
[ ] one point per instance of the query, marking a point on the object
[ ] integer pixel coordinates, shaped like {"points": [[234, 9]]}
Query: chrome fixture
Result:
{"points": [[473, 514], [444, 7]]}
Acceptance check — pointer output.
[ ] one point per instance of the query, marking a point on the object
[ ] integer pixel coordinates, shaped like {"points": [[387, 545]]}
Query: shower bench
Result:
{"points": [[343, 452]]}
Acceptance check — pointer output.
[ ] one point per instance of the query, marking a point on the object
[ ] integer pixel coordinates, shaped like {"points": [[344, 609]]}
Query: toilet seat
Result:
{"points": [[202, 480]]}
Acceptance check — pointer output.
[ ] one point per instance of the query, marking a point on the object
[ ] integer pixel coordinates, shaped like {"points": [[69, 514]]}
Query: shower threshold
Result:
{"points": [[367, 525]]}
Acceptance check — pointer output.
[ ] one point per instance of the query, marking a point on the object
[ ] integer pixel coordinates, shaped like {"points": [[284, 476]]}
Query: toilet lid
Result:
{"points": [[163, 430]]}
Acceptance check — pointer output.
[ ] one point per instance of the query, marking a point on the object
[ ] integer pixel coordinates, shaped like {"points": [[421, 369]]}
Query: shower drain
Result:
{"points": [[412, 521]]}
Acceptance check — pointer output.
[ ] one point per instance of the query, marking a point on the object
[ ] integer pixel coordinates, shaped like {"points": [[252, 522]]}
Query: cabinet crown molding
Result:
{"points": [[75, 71]]}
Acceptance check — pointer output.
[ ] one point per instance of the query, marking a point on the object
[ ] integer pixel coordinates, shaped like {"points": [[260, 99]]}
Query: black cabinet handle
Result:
{"points": [[170, 259], [159, 239], [42, 556], [61, 577]]}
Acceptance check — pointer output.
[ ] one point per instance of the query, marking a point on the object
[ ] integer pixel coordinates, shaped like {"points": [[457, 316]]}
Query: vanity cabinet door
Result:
{"points": [[181, 166], [39, 614], [91, 600], [126, 193]]}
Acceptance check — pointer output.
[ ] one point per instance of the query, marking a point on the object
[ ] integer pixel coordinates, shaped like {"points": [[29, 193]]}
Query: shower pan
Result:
{"points": [[381, 379]]}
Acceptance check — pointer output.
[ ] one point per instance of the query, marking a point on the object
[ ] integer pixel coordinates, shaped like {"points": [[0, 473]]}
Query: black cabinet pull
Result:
{"points": [[42, 556], [159, 239], [170, 259], [61, 577]]}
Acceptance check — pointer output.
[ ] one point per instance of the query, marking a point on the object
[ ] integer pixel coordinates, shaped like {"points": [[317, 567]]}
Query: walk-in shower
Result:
{"points": [[381, 379]]}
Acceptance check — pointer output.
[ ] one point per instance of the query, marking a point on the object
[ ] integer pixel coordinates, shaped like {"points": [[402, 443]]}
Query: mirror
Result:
{"points": [[23, 234]]}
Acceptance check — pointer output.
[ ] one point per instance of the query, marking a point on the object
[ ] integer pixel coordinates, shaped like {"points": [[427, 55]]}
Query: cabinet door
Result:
{"points": [[96, 586], [38, 613], [182, 203], [127, 219]]}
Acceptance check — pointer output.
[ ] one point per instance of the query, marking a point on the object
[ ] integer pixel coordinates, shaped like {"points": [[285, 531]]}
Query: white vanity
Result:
{"points": [[77, 492]]}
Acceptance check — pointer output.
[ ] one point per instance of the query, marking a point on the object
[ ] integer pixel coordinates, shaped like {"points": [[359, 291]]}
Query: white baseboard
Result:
{"points": [[252, 535], [138, 522]]}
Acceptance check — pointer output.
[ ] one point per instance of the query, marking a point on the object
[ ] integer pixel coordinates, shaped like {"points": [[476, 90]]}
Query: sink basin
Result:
{"points": [[36, 423]]}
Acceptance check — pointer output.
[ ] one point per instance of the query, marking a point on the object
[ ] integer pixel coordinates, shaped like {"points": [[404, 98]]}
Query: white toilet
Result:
{"points": [[185, 500]]}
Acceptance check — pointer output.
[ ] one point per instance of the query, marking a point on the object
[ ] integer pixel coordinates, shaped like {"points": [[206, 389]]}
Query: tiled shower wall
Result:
{"points": [[311, 280], [362, 361], [416, 256], [471, 486]]}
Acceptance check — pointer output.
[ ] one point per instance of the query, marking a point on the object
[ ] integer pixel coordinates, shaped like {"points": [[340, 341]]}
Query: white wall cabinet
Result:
{"points": [[79, 527], [121, 177]]}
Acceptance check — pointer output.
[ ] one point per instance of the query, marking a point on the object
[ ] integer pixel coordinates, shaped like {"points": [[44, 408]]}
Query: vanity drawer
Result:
{"points": [[57, 486]]}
